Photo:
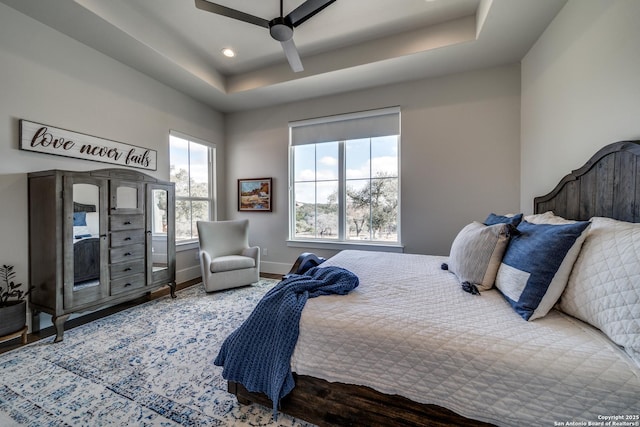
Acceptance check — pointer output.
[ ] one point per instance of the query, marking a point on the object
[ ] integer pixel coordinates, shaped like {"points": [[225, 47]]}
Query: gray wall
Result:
{"points": [[471, 143], [50, 78], [580, 90], [460, 152]]}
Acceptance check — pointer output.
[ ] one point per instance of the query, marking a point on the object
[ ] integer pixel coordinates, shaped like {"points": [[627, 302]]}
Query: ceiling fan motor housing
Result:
{"points": [[280, 29]]}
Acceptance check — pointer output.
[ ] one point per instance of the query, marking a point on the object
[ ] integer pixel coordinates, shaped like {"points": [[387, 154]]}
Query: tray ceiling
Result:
{"points": [[350, 45]]}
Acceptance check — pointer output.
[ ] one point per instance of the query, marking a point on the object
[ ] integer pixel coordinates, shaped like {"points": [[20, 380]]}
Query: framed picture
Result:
{"points": [[254, 194]]}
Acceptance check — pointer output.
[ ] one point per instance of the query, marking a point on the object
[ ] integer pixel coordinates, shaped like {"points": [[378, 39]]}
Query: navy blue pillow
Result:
{"points": [[531, 261], [493, 219], [79, 219]]}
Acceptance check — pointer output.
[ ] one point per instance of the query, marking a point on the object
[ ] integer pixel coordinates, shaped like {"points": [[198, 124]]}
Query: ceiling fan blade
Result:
{"points": [[291, 53], [306, 10], [231, 13]]}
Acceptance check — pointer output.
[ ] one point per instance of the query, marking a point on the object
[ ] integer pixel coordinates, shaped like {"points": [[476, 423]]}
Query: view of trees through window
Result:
{"points": [[367, 183], [190, 170]]}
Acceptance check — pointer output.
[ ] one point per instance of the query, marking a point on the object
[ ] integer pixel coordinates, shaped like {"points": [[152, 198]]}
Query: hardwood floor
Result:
{"points": [[50, 331]]}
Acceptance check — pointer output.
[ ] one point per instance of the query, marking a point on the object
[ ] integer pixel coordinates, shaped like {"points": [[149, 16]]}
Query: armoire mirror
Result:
{"points": [[126, 197], [86, 235], [159, 222]]}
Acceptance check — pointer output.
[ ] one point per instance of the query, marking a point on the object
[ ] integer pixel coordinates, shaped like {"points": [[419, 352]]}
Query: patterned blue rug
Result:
{"points": [[150, 365]]}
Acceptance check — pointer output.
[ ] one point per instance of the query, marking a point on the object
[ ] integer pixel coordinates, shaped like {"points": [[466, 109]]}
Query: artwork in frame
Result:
{"points": [[254, 194]]}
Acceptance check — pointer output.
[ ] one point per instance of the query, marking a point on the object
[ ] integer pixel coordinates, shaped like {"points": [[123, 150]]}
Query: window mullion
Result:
{"points": [[315, 195], [292, 194], [371, 231], [211, 182], [342, 192]]}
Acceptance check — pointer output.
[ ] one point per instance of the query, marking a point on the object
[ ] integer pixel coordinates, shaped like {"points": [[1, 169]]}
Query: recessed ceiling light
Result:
{"points": [[228, 52]]}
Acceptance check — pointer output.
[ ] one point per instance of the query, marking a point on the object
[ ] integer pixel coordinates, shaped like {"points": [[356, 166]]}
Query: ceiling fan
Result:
{"points": [[280, 28]]}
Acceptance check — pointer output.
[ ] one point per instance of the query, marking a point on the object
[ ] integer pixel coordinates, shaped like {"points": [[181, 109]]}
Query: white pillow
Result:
{"points": [[604, 286], [476, 253], [547, 218], [93, 222]]}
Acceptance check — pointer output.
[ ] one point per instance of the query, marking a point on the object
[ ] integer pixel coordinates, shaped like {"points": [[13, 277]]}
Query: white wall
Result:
{"points": [[580, 90], [459, 156], [50, 78], [469, 146]]}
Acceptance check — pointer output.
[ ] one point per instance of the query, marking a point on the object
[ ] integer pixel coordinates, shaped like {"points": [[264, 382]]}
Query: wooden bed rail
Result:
{"points": [[335, 404]]}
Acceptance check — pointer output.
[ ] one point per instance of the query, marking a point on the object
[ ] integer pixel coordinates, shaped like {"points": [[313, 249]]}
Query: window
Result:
{"points": [[345, 182], [192, 170]]}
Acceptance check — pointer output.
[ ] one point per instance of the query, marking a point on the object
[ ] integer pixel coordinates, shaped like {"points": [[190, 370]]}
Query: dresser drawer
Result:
{"points": [[126, 253], [127, 237], [122, 269], [127, 283], [126, 222]]}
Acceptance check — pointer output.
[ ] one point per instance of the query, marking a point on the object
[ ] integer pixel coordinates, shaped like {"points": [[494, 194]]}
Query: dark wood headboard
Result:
{"points": [[607, 185], [81, 207]]}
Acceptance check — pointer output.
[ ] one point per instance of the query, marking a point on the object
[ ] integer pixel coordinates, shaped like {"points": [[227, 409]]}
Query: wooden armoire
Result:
{"points": [[98, 238]]}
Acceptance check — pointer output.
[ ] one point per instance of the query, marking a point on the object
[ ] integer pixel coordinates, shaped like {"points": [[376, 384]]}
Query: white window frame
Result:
{"points": [[184, 244], [341, 242]]}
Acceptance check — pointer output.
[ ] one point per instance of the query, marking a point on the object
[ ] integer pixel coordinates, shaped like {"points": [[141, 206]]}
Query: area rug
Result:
{"points": [[149, 365]]}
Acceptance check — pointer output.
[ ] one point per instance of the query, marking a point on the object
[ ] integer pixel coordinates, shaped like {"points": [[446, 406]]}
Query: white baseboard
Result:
{"points": [[274, 267], [189, 273], [193, 272]]}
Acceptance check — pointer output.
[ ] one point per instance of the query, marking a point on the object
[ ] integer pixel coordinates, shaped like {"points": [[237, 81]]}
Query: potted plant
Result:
{"points": [[13, 306]]}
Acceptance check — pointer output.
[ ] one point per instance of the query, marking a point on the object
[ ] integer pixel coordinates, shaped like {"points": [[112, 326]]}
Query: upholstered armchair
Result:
{"points": [[226, 260]]}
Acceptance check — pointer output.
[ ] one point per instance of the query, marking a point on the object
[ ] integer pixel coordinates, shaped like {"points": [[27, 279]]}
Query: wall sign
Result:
{"points": [[60, 142]]}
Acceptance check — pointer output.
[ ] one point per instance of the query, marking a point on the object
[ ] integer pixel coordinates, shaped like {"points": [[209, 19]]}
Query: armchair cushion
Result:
{"points": [[231, 262]]}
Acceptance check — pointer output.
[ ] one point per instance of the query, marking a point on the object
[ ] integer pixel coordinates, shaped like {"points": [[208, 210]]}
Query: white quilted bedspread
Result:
{"points": [[409, 329]]}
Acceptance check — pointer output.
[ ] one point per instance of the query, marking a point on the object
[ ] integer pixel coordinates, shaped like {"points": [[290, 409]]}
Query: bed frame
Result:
{"points": [[86, 252], [86, 259], [607, 185]]}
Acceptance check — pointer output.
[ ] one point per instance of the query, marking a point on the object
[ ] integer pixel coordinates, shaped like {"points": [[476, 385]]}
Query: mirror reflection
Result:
{"points": [[86, 235], [126, 197], [159, 248]]}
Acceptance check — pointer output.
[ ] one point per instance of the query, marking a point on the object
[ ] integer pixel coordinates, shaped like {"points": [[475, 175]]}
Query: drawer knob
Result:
{"points": [[127, 223], [127, 238], [127, 254], [127, 269], [127, 284]]}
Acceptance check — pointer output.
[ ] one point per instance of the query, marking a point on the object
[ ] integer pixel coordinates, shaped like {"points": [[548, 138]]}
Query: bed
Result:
{"points": [[410, 347], [86, 243]]}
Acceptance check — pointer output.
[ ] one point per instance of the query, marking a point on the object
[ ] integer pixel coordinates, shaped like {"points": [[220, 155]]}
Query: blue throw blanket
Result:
{"points": [[258, 353]]}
